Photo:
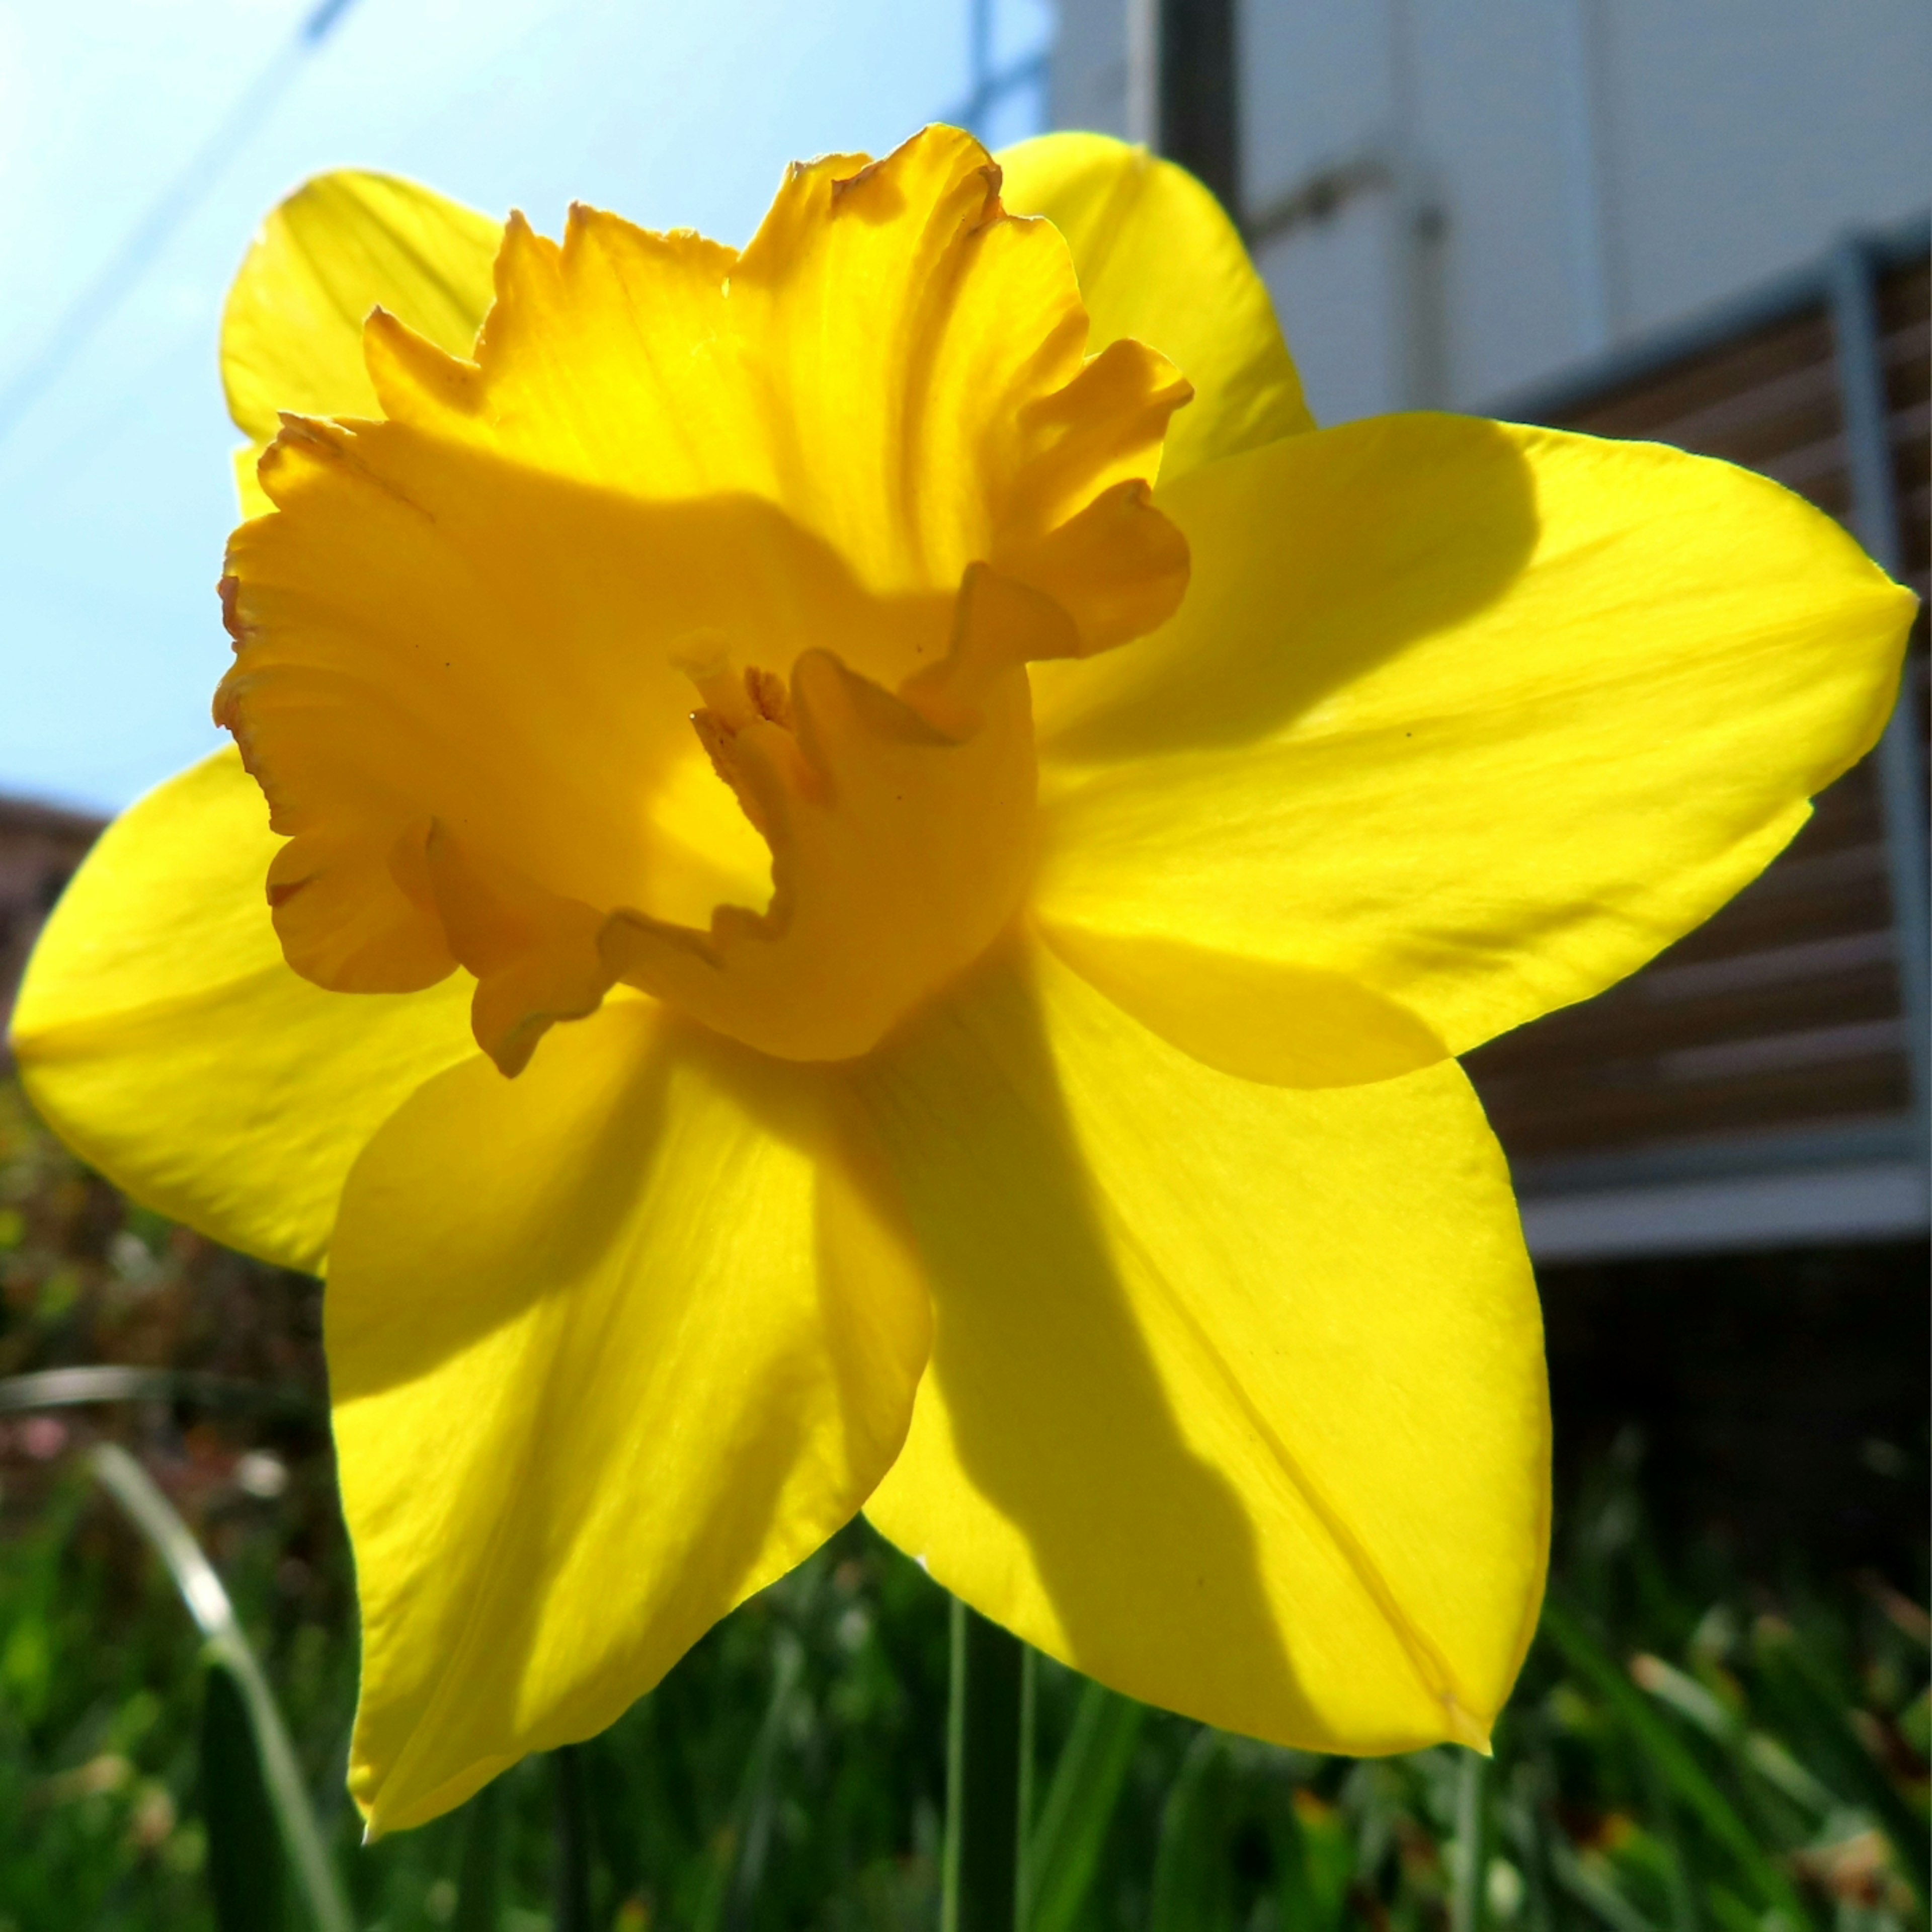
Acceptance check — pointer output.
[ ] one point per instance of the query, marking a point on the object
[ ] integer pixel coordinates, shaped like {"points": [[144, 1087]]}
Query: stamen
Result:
{"points": [[716, 736], [704, 656], [724, 696], [734, 706], [770, 697]]}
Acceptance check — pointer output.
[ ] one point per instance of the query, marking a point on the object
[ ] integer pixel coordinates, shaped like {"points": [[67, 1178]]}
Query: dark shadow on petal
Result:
{"points": [[1315, 560], [513, 1243], [1060, 1418], [1267, 1020]]}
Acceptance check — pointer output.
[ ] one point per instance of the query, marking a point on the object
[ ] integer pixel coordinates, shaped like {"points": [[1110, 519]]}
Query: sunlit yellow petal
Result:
{"points": [[1478, 718], [1237, 1398], [292, 333], [611, 1347], [1160, 262], [162, 1035]]}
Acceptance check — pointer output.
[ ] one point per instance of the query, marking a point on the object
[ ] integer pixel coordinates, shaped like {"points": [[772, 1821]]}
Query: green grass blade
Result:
{"points": [[728, 1897], [1835, 1751], [1732, 1913], [985, 1726], [479, 1882], [248, 1876], [1064, 1853], [1311, 1894], [1190, 1875], [1769, 1758], [1688, 1698], [89, 1383], [1679, 1880], [1686, 1778], [1523, 1821], [571, 1875], [1764, 1754], [201, 1590], [1028, 1797], [1596, 1895]]}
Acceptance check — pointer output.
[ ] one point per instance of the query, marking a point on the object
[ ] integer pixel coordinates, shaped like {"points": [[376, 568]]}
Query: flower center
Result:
{"points": [[846, 484], [900, 830]]}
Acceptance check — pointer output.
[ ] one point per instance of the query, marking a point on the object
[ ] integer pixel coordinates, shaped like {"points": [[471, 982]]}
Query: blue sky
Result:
{"points": [[115, 490]]}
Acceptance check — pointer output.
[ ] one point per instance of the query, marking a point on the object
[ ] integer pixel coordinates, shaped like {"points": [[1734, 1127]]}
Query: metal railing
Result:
{"points": [[1863, 1177]]}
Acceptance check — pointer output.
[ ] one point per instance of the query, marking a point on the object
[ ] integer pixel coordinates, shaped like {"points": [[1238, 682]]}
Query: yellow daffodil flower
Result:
{"points": [[1017, 856]]}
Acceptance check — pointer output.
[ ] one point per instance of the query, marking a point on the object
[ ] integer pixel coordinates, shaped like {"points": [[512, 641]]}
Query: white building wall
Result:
{"points": [[1088, 86], [1600, 167], [1743, 135], [1522, 215]]}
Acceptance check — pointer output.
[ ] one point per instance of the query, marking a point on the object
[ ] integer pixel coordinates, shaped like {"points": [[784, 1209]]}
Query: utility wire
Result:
{"points": [[83, 317]]}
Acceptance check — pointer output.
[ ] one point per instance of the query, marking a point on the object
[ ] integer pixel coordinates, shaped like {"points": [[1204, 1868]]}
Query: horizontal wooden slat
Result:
{"points": [[1602, 1035], [1762, 358], [1636, 1116]]}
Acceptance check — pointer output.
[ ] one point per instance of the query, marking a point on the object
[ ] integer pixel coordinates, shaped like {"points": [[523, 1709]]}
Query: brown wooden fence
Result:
{"points": [[1786, 1036]]}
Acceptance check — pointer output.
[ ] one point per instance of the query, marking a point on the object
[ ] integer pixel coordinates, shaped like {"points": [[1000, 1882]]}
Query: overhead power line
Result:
{"points": [[83, 317]]}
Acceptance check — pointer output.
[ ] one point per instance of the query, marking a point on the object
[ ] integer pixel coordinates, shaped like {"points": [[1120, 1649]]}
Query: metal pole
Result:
{"points": [[1579, 117], [979, 31], [1143, 65], [1901, 764]]}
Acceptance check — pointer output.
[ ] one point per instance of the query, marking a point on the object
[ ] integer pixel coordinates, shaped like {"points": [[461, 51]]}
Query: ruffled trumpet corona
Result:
{"points": [[875, 857]]}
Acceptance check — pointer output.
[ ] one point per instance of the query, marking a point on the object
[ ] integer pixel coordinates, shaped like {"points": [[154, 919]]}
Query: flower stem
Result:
{"points": [[986, 1785], [571, 1875], [1469, 1900]]}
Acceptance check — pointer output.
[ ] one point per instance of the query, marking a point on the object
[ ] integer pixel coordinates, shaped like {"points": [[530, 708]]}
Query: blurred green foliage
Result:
{"points": [[1688, 1749]]}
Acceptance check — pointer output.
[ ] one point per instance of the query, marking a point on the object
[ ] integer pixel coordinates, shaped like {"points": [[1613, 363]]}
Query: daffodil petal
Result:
{"points": [[1476, 717], [1160, 262], [1237, 1399], [611, 1347], [160, 1033], [340, 246]]}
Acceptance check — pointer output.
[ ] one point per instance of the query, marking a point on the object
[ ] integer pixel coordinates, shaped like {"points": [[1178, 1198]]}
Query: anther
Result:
{"points": [[770, 697]]}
